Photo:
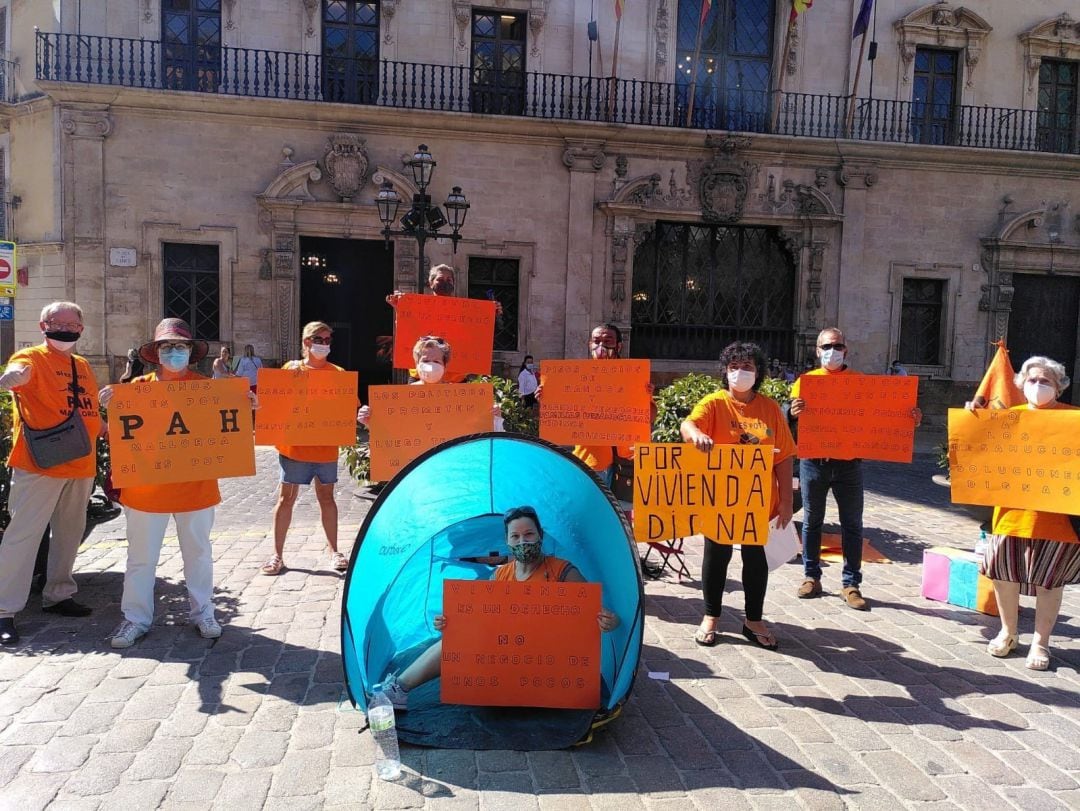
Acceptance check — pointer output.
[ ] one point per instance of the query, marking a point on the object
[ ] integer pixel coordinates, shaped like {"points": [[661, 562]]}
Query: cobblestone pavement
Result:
{"points": [[898, 707]]}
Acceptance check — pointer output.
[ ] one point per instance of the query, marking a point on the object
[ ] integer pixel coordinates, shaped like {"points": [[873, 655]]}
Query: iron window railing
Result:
{"points": [[411, 85]]}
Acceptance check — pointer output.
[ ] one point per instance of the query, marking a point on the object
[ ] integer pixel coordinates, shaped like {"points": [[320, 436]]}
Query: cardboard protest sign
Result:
{"points": [[468, 325], [299, 407], [1027, 459], [180, 431], [595, 402], [857, 417], [406, 421], [725, 494], [521, 644]]}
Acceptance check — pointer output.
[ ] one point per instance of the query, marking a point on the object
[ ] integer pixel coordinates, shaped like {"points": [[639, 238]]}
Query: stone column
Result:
{"points": [[584, 159], [856, 179]]}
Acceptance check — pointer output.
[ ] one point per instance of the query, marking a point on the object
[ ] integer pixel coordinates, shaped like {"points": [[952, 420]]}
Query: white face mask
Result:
{"points": [[319, 350], [430, 371], [60, 346], [832, 359], [741, 380], [1039, 394]]}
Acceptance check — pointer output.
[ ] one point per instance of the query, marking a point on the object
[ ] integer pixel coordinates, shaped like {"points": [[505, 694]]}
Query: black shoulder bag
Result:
{"points": [[622, 479], [62, 443]]}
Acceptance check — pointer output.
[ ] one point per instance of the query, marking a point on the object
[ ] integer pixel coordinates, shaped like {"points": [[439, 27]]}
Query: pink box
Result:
{"points": [[935, 577]]}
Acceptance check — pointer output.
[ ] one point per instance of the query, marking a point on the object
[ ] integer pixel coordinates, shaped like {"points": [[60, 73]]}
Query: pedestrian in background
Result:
{"points": [[248, 366], [527, 382], [134, 366], [53, 388], [221, 365]]}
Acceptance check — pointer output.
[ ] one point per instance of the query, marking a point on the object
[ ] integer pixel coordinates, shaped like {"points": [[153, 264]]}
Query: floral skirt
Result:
{"points": [[1031, 562]]}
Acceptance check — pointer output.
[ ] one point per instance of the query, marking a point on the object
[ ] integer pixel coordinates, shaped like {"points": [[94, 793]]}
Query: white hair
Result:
{"points": [[49, 310], [1052, 367]]}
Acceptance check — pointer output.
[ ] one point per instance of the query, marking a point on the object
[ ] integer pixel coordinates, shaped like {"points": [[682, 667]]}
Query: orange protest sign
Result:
{"points": [[521, 644], [468, 325], [725, 494], [857, 417], [299, 407], [180, 431], [595, 402], [406, 421], [1026, 458]]}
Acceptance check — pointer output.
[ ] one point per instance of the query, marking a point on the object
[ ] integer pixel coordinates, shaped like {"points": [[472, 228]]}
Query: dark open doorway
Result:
{"points": [[345, 282], [1045, 313]]}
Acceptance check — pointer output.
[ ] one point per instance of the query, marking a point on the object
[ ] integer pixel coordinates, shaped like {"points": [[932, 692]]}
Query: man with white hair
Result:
{"points": [[54, 391]]}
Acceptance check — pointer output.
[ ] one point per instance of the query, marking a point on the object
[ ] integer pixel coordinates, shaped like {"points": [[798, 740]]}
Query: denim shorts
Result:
{"points": [[296, 472]]}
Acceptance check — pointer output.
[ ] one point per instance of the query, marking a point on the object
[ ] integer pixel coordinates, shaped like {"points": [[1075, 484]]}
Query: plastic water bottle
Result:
{"points": [[384, 731], [980, 546]]}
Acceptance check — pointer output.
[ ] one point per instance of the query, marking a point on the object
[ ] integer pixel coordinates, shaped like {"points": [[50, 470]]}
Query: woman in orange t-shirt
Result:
{"points": [[738, 415], [147, 508], [524, 538], [1032, 552], [303, 464]]}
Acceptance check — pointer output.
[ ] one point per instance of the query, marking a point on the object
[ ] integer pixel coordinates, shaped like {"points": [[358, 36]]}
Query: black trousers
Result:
{"points": [[714, 577]]}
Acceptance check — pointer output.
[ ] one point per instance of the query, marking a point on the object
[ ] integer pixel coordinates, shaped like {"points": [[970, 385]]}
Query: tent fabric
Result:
{"points": [[446, 507]]}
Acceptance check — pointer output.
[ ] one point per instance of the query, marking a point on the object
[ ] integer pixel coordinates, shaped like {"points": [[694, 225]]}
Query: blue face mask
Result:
{"points": [[175, 360]]}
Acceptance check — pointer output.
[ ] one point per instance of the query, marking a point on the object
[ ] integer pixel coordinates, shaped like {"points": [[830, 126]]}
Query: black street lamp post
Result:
{"points": [[423, 220]]}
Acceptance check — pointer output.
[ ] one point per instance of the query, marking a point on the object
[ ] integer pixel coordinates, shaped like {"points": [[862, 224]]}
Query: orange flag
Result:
{"points": [[997, 389]]}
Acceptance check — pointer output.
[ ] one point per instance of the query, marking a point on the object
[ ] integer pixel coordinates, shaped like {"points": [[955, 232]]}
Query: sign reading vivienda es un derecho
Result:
{"points": [[595, 402], [1027, 459], [468, 325], [406, 421], [725, 494], [180, 431], [299, 407], [521, 644], [852, 416]]}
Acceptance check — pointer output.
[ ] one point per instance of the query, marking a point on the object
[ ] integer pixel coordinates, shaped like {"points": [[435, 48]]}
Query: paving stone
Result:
{"points": [[901, 776], [301, 773], [196, 785], [12, 759], [1038, 771], [52, 707], [152, 703], [62, 754], [260, 749], [92, 719], [214, 749], [501, 760], [31, 791], [244, 791], [348, 786], [30, 734], [143, 794], [982, 763], [160, 759], [132, 736], [101, 774]]}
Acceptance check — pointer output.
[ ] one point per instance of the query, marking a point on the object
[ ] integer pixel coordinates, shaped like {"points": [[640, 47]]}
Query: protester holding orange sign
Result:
{"points": [[530, 564], [147, 507], [738, 415], [467, 324], [588, 401], [1033, 552], [304, 464]]}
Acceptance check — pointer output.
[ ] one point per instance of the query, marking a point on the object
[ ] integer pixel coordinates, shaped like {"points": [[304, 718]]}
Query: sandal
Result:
{"points": [[338, 562], [1038, 658], [1002, 645], [705, 638], [273, 566], [757, 638]]}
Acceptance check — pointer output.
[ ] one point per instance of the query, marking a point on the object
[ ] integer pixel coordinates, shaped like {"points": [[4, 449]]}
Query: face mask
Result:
{"points": [[531, 367], [832, 359], [175, 360], [319, 350], [741, 380], [1039, 394], [526, 552], [443, 288], [61, 346], [430, 371]]}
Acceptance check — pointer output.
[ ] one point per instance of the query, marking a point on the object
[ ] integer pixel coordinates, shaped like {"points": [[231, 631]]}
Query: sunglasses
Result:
{"points": [[321, 341], [832, 346]]}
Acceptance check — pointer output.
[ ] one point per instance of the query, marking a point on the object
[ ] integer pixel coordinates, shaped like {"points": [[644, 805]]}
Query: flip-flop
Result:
{"points": [[273, 566], [1038, 658], [338, 562], [756, 638], [705, 638]]}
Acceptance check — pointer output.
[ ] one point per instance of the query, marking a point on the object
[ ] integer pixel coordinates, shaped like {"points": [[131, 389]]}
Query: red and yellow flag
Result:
{"points": [[998, 389], [618, 9], [799, 7]]}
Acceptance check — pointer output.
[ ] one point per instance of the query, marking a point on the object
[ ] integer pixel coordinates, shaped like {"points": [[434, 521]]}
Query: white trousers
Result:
{"points": [[35, 502], [146, 531]]}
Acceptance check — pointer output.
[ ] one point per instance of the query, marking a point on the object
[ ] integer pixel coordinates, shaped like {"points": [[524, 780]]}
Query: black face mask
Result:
{"points": [[443, 288], [62, 335]]}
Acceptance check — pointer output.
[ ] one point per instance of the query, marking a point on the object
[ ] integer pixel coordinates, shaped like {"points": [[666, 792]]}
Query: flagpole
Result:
{"points": [[613, 84], [855, 88], [694, 66], [783, 69]]}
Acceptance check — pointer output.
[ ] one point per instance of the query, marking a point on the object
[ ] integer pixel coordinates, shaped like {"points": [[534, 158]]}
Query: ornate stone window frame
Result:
{"points": [[952, 276], [941, 25], [1058, 37], [536, 10], [525, 254]]}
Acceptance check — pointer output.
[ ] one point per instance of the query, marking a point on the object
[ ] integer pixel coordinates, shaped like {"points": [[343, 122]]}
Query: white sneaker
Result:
{"points": [[398, 695], [125, 634], [209, 628]]}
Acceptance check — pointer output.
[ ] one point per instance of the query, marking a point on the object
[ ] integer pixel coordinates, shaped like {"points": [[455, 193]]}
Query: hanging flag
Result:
{"points": [[998, 388], [618, 9], [705, 6], [862, 22], [799, 7]]}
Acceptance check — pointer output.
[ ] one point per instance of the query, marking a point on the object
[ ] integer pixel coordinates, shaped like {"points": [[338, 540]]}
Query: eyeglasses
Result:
{"points": [[172, 345], [64, 326], [321, 341], [832, 346]]}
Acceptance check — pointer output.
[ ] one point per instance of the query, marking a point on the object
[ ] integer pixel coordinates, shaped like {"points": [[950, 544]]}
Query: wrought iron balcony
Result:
{"points": [[410, 85]]}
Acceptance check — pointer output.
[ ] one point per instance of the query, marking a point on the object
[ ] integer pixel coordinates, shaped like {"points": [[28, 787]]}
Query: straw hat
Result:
{"points": [[173, 329]]}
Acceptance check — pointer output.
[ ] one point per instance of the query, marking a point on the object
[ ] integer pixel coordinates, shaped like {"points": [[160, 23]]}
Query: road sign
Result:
{"points": [[7, 312], [7, 269]]}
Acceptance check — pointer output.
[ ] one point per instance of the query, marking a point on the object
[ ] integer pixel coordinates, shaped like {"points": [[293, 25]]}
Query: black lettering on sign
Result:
{"points": [[130, 422], [176, 425]]}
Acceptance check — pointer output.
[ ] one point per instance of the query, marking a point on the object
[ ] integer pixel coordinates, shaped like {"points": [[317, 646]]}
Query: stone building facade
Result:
{"points": [[220, 158]]}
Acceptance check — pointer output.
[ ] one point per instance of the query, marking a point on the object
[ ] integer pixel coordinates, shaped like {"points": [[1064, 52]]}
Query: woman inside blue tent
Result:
{"points": [[524, 538]]}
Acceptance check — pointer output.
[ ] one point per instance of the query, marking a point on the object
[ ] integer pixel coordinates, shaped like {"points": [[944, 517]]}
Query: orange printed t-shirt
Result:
{"points": [[818, 372], [551, 570], [178, 497], [759, 422], [46, 401], [1032, 523], [310, 453]]}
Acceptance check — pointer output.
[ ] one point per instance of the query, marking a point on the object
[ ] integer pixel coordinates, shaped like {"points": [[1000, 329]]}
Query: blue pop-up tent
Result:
{"points": [[431, 523]]}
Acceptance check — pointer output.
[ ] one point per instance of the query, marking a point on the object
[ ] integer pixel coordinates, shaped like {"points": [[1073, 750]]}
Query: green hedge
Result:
{"points": [[675, 402]]}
